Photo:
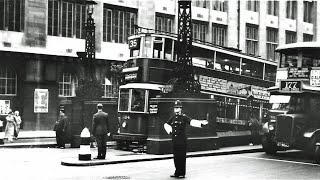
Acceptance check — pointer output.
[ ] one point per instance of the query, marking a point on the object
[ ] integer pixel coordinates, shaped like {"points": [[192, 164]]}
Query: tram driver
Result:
{"points": [[138, 101]]}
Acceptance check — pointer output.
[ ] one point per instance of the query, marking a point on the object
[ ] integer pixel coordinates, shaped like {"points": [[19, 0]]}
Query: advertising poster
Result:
{"points": [[41, 100], [4, 107]]}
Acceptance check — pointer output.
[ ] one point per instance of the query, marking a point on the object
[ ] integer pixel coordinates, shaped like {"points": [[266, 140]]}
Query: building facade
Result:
{"points": [[39, 41]]}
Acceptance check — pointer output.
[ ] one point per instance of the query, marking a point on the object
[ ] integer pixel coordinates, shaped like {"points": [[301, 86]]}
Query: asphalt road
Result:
{"points": [[45, 164]]}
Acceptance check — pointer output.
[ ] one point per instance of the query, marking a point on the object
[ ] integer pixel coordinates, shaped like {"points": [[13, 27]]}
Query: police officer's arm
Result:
{"points": [[167, 126], [198, 123]]}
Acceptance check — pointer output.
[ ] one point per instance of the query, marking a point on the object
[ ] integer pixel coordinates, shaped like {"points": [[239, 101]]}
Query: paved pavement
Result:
{"points": [[114, 156]]}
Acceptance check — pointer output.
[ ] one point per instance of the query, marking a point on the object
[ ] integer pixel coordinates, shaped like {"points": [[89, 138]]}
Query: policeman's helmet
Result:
{"points": [[178, 104]]}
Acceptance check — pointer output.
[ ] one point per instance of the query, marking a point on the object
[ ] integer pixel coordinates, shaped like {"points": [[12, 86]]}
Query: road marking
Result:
{"points": [[286, 161]]}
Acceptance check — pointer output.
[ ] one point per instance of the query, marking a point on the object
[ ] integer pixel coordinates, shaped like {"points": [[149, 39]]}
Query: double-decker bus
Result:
{"points": [[237, 81], [297, 97]]}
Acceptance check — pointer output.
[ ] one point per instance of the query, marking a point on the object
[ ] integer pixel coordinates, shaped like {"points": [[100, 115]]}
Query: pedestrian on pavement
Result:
{"points": [[61, 129], [100, 131], [18, 121], [9, 130], [177, 126]]}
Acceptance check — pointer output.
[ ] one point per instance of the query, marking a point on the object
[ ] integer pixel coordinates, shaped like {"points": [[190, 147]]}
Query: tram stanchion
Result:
{"points": [[85, 152]]}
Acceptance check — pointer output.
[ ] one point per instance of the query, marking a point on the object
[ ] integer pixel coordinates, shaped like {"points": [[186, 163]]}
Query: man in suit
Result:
{"points": [[61, 129], [100, 130]]}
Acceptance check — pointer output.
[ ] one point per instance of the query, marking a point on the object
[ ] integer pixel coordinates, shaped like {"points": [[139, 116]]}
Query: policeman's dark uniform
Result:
{"points": [[179, 140]]}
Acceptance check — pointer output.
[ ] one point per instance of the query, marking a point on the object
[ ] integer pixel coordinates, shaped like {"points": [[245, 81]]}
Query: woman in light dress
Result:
{"points": [[18, 122], [9, 130]]}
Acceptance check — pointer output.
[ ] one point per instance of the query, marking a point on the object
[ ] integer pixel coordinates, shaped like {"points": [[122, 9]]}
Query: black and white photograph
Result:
{"points": [[159, 89]]}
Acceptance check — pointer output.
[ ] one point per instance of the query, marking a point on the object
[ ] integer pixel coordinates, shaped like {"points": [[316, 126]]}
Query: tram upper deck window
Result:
{"points": [[227, 63], [252, 68], [270, 73], [168, 49], [138, 100], [157, 48], [287, 61]]}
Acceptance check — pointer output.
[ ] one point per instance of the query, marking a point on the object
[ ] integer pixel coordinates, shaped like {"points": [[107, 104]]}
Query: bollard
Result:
{"points": [[85, 153]]}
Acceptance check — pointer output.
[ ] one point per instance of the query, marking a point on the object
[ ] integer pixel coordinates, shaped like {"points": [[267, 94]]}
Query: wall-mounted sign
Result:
{"points": [[134, 43], [41, 100], [4, 107], [290, 86], [302, 73], [315, 77]]}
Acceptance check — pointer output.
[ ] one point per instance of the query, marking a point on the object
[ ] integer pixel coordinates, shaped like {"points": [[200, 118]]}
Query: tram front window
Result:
{"points": [[138, 100], [124, 100]]}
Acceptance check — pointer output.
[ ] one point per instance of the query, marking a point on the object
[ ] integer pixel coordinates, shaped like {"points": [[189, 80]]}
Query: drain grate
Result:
{"points": [[116, 177]]}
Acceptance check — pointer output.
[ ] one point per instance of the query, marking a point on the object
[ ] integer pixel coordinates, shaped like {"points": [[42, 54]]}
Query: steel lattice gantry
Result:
{"points": [[185, 74]]}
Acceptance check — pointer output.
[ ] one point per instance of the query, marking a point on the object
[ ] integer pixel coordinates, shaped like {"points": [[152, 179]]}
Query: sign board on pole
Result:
{"points": [[41, 100]]}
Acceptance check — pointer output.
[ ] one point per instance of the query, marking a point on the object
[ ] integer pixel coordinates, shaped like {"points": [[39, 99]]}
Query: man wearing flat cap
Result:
{"points": [[100, 130], [176, 125]]}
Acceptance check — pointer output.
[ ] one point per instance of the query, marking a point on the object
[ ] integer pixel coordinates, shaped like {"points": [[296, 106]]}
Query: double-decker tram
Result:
{"points": [[297, 95], [238, 82]]}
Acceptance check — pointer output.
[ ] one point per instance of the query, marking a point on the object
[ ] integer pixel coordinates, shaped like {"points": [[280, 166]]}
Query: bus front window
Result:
{"points": [[124, 100]]}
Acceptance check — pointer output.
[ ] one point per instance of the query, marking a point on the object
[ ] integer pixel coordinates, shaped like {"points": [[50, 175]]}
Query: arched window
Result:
{"points": [[8, 81], [110, 87], [68, 83]]}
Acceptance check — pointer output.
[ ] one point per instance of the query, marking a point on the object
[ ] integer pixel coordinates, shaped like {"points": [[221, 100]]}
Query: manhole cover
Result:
{"points": [[117, 177]]}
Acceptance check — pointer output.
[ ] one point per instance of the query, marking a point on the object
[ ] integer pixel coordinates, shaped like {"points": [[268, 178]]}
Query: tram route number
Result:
{"points": [[133, 43], [290, 86]]}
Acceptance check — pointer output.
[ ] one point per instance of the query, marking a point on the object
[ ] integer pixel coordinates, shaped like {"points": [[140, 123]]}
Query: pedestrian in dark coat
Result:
{"points": [[100, 130], [177, 126], [61, 129]]}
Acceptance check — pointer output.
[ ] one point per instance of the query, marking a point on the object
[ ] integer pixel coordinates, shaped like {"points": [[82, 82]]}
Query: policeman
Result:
{"points": [[177, 126]]}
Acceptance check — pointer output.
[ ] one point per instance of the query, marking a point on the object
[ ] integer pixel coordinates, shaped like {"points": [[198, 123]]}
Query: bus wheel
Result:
{"points": [[268, 146]]}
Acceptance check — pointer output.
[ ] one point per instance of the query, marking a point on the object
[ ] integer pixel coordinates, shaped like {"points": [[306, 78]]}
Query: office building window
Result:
{"points": [[253, 5], [219, 34], [68, 83], [8, 81], [307, 11], [219, 5], [199, 31], [164, 23], [273, 8], [200, 3], [291, 37], [66, 18], [110, 87], [272, 43], [12, 15], [291, 9], [252, 40], [118, 24], [307, 37]]}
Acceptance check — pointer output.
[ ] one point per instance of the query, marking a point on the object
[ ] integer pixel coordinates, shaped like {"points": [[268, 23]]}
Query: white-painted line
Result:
{"points": [[286, 161]]}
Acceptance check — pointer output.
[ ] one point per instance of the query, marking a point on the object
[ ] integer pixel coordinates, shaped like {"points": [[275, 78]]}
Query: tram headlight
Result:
{"points": [[124, 124], [271, 127]]}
